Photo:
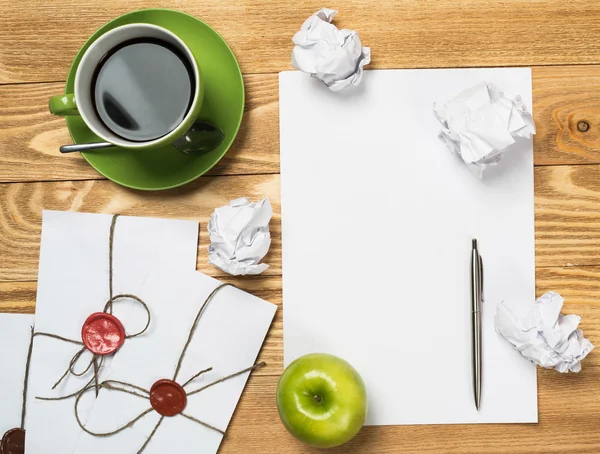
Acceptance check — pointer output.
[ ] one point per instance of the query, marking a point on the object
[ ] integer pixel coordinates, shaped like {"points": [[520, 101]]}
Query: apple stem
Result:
{"points": [[318, 398]]}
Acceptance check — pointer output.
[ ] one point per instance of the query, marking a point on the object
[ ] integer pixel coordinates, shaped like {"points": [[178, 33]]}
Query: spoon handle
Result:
{"points": [[84, 147]]}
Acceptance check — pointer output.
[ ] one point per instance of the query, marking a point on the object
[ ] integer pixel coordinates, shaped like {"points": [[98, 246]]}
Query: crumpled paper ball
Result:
{"points": [[543, 335], [337, 57], [481, 123], [239, 236]]}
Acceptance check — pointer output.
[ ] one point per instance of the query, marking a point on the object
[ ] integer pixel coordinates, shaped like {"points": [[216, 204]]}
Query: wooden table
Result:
{"points": [[560, 39]]}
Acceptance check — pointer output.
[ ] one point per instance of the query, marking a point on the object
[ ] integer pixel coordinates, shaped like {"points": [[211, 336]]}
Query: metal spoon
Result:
{"points": [[202, 137]]}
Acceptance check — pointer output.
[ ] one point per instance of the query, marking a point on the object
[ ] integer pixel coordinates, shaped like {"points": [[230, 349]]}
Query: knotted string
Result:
{"points": [[195, 324], [13, 434], [26, 381], [145, 394], [97, 363], [221, 380], [113, 223]]}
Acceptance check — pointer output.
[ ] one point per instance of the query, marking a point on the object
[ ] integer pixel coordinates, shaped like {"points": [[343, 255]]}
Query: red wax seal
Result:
{"points": [[102, 333], [13, 442], [167, 397]]}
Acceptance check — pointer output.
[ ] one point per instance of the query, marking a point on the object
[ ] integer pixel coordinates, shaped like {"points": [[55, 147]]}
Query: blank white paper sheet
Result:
{"points": [[377, 222]]}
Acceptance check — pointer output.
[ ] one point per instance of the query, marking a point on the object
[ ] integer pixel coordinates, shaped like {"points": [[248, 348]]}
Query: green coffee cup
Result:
{"points": [[81, 102]]}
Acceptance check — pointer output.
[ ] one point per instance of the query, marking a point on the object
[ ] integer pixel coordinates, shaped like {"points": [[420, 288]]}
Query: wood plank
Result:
{"points": [[565, 99], [569, 404], [567, 206], [38, 40], [256, 426], [569, 408], [580, 286], [21, 207], [19, 297], [30, 136], [567, 215]]}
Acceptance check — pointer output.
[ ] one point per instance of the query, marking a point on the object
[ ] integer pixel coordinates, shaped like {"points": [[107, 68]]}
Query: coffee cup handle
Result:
{"points": [[63, 105]]}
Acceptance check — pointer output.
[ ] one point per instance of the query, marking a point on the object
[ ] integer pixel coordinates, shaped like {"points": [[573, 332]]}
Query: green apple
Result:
{"points": [[322, 400]]}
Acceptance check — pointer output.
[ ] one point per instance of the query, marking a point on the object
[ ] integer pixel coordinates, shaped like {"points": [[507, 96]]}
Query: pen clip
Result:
{"points": [[480, 277]]}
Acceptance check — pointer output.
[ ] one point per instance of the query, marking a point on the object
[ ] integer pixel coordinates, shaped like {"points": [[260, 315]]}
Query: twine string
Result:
{"points": [[73, 394], [79, 374], [111, 240], [195, 325], [95, 362], [110, 384], [151, 435], [68, 396], [72, 363], [196, 376], [131, 389], [96, 371], [26, 380], [109, 304], [221, 380], [54, 336], [116, 431], [202, 423]]}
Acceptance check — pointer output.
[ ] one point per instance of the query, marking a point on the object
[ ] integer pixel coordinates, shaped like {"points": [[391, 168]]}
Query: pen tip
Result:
{"points": [[474, 243]]}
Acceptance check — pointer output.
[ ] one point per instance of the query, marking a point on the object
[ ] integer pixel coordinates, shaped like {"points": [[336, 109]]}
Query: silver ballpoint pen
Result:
{"points": [[476, 300]]}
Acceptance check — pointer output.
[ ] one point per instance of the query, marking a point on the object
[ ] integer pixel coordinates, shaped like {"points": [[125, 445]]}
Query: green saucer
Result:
{"points": [[223, 104]]}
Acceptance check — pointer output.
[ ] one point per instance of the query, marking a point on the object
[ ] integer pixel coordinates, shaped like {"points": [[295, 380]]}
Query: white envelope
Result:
{"points": [[72, 284], [228, 338], [15, 335]]}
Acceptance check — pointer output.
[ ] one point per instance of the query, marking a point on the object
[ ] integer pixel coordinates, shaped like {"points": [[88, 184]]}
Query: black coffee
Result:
{"points": [[143, 89]]}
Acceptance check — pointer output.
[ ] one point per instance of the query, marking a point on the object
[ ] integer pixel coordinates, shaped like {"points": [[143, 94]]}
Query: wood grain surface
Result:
{"points": [[567, 209], [38, 40], [568, 424], [30, 136], [21, 207], [565, 401], [561, 40]]}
